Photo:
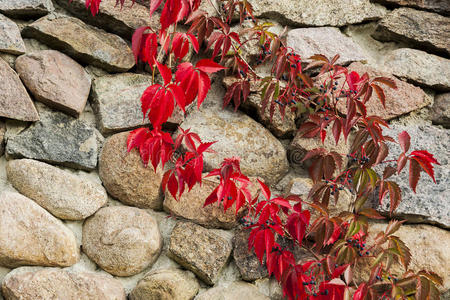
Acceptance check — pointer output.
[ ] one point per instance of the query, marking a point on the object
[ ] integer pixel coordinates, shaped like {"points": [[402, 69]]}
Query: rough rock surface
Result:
{"points": [[420, 68], [82, 42], [122, 240], [63, 194], [55, 283], [440, 112], [248, 264], [29, 235], [429, 203], [420, 28], [60, 139], [199, 250], [439, 6], [10, 39], [25, 8], [166, 284], [235, 290], [328, 13], [328, 41], [15, 103], [55, 79], [112, 18], [124, 176]]}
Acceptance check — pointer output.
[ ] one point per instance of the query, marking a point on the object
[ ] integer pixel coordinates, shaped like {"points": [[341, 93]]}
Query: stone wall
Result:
{"points": [[80, 218]]}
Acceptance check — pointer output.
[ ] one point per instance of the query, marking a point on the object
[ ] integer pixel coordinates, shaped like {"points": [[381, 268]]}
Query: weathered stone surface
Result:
{"points": [[404, 99], [199, 250], [235, 290], [84, 43], [440, 112], [420, 68], [55, 283], [262, 155], [112, 18], [124, 176], [15, 103], [328, 13], [439, 6], [166, 284], [248, 264], [430, 203], [122, 240], [420, 28], [29, 235], [116, 101], [328, 41], [55, 79], [60, 139], [63, 194], [10, 39], [25, 8]]}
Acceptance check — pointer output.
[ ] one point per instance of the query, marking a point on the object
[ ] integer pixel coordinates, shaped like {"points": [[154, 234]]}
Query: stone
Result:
{"points": [[439, 6], [328, 41], [440, 112], [2, 137], [63, 194], [424, 30], [29, 235], [428, 204], [126, 178], [235, 290], [116, 100], [122, 240], [112, 18], [53, 283], [60, 139], [26, 8], [329, 13], [166, 284], [55, 79], [420, 68], [82, 42], [406, 98], [261, 154], [248, 264], [15, 103], [199, 250], [10, 39]]}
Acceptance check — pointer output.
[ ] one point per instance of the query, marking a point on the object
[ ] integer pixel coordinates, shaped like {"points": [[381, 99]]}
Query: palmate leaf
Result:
{"points": [[404, 253]]}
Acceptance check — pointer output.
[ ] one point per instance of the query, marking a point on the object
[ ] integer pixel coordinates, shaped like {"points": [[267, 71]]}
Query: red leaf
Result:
{"points": [[165, 73], [361, 292], [136, 138], [204, 84], [265, 189], [414, 174], [136, 41], [209, 66], [296, 225], [405, 141]]}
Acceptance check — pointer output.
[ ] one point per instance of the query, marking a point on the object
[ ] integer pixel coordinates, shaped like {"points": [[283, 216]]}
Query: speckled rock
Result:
{"points": [[420, 68], [439, 6], [124, 176], [82, 42], [420, 28], [29, 235], [10, 39], [60, 139], [25, 8], [55, 79], [328, 41], [440, 112], [63, 194], [199, 250], [248, 264], [55, 283], [235, 290], [122, 240], [168, 284], [15, 103]]}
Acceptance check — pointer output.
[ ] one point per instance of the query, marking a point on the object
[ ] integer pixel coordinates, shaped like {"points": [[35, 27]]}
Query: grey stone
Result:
{"points": [[248, 264], [419, 28], [60, 139], [421, 68], [15, 103], [85, 43], [439, 6], [10, 39], [430, 203], [235, 290], [199, 250], [440, 112], [328, 41], [26, 8]]}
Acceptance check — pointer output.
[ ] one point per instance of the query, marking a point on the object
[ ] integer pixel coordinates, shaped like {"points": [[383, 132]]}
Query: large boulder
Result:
{"points": [[440, 112], [235, 290], [246, 261], [439, 6], [26, 8], [10, 39]]}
